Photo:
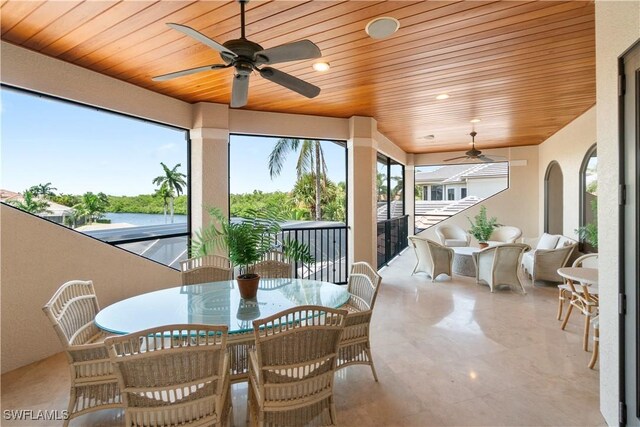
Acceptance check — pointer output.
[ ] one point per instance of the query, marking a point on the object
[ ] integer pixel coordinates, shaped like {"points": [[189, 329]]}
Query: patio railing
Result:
{"points": [[392, 238]]}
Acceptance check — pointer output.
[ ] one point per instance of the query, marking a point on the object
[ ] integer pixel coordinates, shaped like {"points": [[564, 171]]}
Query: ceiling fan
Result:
{"points": [[246, 56], [474, 154]]}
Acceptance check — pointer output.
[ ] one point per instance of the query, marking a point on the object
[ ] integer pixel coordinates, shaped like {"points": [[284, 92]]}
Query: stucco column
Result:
{"points": [[409, 193], [209, 162], [362, 190]]}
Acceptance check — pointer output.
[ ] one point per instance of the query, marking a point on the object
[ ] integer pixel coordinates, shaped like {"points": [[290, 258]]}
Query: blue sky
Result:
{"points": [[81, 149]]}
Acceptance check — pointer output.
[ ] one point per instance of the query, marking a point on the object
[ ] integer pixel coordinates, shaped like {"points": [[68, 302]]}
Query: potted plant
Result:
{"points": [[482, 227], [246, 242], [589, 232]]}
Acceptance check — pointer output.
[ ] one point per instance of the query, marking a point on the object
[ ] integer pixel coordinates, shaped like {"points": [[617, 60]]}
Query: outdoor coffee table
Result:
{"points": [[463, 261]]}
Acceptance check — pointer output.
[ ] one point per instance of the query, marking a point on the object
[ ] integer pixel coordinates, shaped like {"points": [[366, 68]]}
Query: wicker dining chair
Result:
{"points": [[355, 345], [174, 375], [273, 266], [291, 369], [94, 386], [564, 290], [210, 268]]}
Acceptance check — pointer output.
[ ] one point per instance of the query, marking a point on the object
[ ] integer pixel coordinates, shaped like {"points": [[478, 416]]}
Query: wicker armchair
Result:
{"points": [[94, 386], [210, 268], [543, 264], [174, 375], [499, 265], [432, 258], [505, 234], [291, 369], [355, 347], [452, 235]]}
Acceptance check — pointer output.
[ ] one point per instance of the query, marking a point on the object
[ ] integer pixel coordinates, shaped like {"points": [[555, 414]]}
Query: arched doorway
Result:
{"points": [[553, 199]]}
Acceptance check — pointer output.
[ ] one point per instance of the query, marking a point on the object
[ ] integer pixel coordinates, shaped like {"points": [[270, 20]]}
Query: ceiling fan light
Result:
{"points": [[475, 121], [383, 27], [442, 96], [321, 66]]}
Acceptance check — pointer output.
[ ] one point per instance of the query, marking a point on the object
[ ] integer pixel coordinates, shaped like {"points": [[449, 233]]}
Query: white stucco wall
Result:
{"points": [[38, 257], [568, 147], [617, 28], [486, 187]]}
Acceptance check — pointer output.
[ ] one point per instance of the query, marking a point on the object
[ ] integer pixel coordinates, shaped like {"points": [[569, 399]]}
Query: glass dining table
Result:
{"points": [[219, 303]]}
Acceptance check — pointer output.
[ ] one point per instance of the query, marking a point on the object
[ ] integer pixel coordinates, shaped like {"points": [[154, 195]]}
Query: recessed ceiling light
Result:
{"points": [[474, 120], [321, 66], [442, 96], [383, 27]]}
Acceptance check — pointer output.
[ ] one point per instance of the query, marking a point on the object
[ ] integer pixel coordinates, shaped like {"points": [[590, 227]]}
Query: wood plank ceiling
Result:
{"points": [[524, 68]]}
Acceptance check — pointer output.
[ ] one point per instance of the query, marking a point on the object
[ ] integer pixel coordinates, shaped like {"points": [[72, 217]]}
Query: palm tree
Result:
{"points": [[173, 180], [310, 160], [92, 206], [30, 203], [166, 194], [44, 190]]}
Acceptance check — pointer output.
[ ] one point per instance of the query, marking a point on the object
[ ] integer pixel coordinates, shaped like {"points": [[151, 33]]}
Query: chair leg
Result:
{"points": [[585, 338], [566, 317], [373, 369], [596, 347], [560, 303]]}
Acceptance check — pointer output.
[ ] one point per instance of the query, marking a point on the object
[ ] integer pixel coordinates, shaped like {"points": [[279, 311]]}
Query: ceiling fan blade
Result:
{"points": [[202, 38], [290, 82], [303, 49], [240, 91], [175, 74], [456, 158], [491, 159]]}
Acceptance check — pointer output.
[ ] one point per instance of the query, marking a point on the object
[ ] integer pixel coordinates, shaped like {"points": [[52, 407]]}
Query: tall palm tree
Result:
{"points": [[92, 206], [174, 181], [44, 190], [30, 203], [310, 160], [166, 194]]}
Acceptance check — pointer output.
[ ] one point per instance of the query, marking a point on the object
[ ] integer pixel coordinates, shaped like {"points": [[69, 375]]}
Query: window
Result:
{"points": [[93, 171], [436, 192], [588, 230], [446, 184], [392, 227], [268, 171]]}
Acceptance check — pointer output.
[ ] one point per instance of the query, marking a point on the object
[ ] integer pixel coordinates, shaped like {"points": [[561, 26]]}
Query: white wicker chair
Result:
{"points": [[505, 234], [564, 290], [291, 369], [355, 346], [94, 386], [174, 375], [543, 264], [432, 258], [499, 265], [452, 235], [210, 268]]}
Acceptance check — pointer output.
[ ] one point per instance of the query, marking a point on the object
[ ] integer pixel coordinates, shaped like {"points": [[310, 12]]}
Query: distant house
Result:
{"points": [[57, 212], [455, 182]]}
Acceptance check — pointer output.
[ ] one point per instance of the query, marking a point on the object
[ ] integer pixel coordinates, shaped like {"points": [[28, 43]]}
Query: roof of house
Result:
{"points": [[459, 173]]}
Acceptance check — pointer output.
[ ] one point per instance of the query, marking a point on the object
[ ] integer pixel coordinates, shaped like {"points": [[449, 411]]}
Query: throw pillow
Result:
{"points": [[547, 241]]}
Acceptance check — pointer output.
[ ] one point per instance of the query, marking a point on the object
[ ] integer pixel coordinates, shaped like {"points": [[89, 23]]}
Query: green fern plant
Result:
{"points": [[248, 241], [589, 232], [481, 226]]}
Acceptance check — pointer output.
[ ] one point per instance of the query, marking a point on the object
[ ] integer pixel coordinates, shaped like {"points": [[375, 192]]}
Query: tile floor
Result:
{"points": [[447, 353]]}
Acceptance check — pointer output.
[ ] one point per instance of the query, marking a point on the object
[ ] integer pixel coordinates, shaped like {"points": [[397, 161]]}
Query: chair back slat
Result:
{"points": [[206, 274]]}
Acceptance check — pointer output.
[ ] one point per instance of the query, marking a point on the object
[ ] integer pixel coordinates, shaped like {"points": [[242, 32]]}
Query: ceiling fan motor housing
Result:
{"points": [[245, 49]]}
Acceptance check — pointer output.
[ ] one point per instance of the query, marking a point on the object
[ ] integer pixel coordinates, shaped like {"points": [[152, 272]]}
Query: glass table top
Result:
{"points": [[216, 303]]}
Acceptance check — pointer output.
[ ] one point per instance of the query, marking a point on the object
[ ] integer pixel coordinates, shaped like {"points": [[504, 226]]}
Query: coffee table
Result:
{"points": [[463, 261]]}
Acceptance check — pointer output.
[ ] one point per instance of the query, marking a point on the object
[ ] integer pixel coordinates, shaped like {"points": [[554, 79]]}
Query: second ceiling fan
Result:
{"points": [[247, 56]]}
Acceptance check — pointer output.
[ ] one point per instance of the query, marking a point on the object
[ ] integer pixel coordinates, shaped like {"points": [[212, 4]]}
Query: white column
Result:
{"points": [[209, 162], [362, 190]]}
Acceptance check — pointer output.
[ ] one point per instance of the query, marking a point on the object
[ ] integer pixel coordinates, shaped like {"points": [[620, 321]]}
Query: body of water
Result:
{"points": [[144, 219]]}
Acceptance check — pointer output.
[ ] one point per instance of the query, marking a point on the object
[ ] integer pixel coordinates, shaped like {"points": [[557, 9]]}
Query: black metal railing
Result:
{"points": [[392, 238], [328, 245]]}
